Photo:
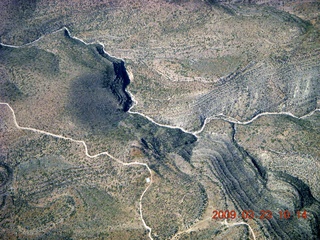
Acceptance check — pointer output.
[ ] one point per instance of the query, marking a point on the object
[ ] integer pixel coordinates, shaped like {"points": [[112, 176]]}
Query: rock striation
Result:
{"points": [[251, 187]]}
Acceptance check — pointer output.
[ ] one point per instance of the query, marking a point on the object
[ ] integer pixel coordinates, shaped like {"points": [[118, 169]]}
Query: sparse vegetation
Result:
{"points": [[188, 61]]}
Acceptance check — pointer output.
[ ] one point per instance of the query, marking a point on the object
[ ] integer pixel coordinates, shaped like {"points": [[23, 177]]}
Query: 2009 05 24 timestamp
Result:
{"points": [[263, 214]]}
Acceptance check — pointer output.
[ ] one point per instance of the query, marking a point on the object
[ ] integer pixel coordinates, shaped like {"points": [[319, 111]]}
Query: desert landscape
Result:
{"points": [[159, 119]]}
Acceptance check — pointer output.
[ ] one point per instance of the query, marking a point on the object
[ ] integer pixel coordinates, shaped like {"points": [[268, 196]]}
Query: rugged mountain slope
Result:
{"points": [[191, 53], [184, 62], [251, 186], [79, 91], [285, 144]]}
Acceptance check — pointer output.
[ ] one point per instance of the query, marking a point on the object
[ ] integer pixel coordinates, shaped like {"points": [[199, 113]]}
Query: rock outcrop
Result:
{"points": [[251, 190]]}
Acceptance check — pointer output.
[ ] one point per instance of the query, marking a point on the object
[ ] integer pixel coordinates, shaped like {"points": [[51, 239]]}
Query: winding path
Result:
{"points": [[223, 223], [235, 121], [239, 223], [91, 156], [195, 133]]}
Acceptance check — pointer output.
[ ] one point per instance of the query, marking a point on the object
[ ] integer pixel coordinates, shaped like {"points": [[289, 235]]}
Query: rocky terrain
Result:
{"points": [[252, 186], [138, 119]]}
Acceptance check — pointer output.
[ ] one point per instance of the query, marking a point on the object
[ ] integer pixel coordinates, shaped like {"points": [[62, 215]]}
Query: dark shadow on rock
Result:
{"points": [[93, 104], [121, 81], [158, 141]]}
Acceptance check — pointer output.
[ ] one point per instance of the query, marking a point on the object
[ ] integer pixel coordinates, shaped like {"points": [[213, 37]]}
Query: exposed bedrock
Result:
{"points": [[98, 98], [250, 189], [281, 84], [121, 80], [119, 85]]}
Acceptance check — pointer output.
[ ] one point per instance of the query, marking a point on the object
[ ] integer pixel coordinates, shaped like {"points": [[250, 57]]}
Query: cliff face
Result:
{"points": [[120, 82]]}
